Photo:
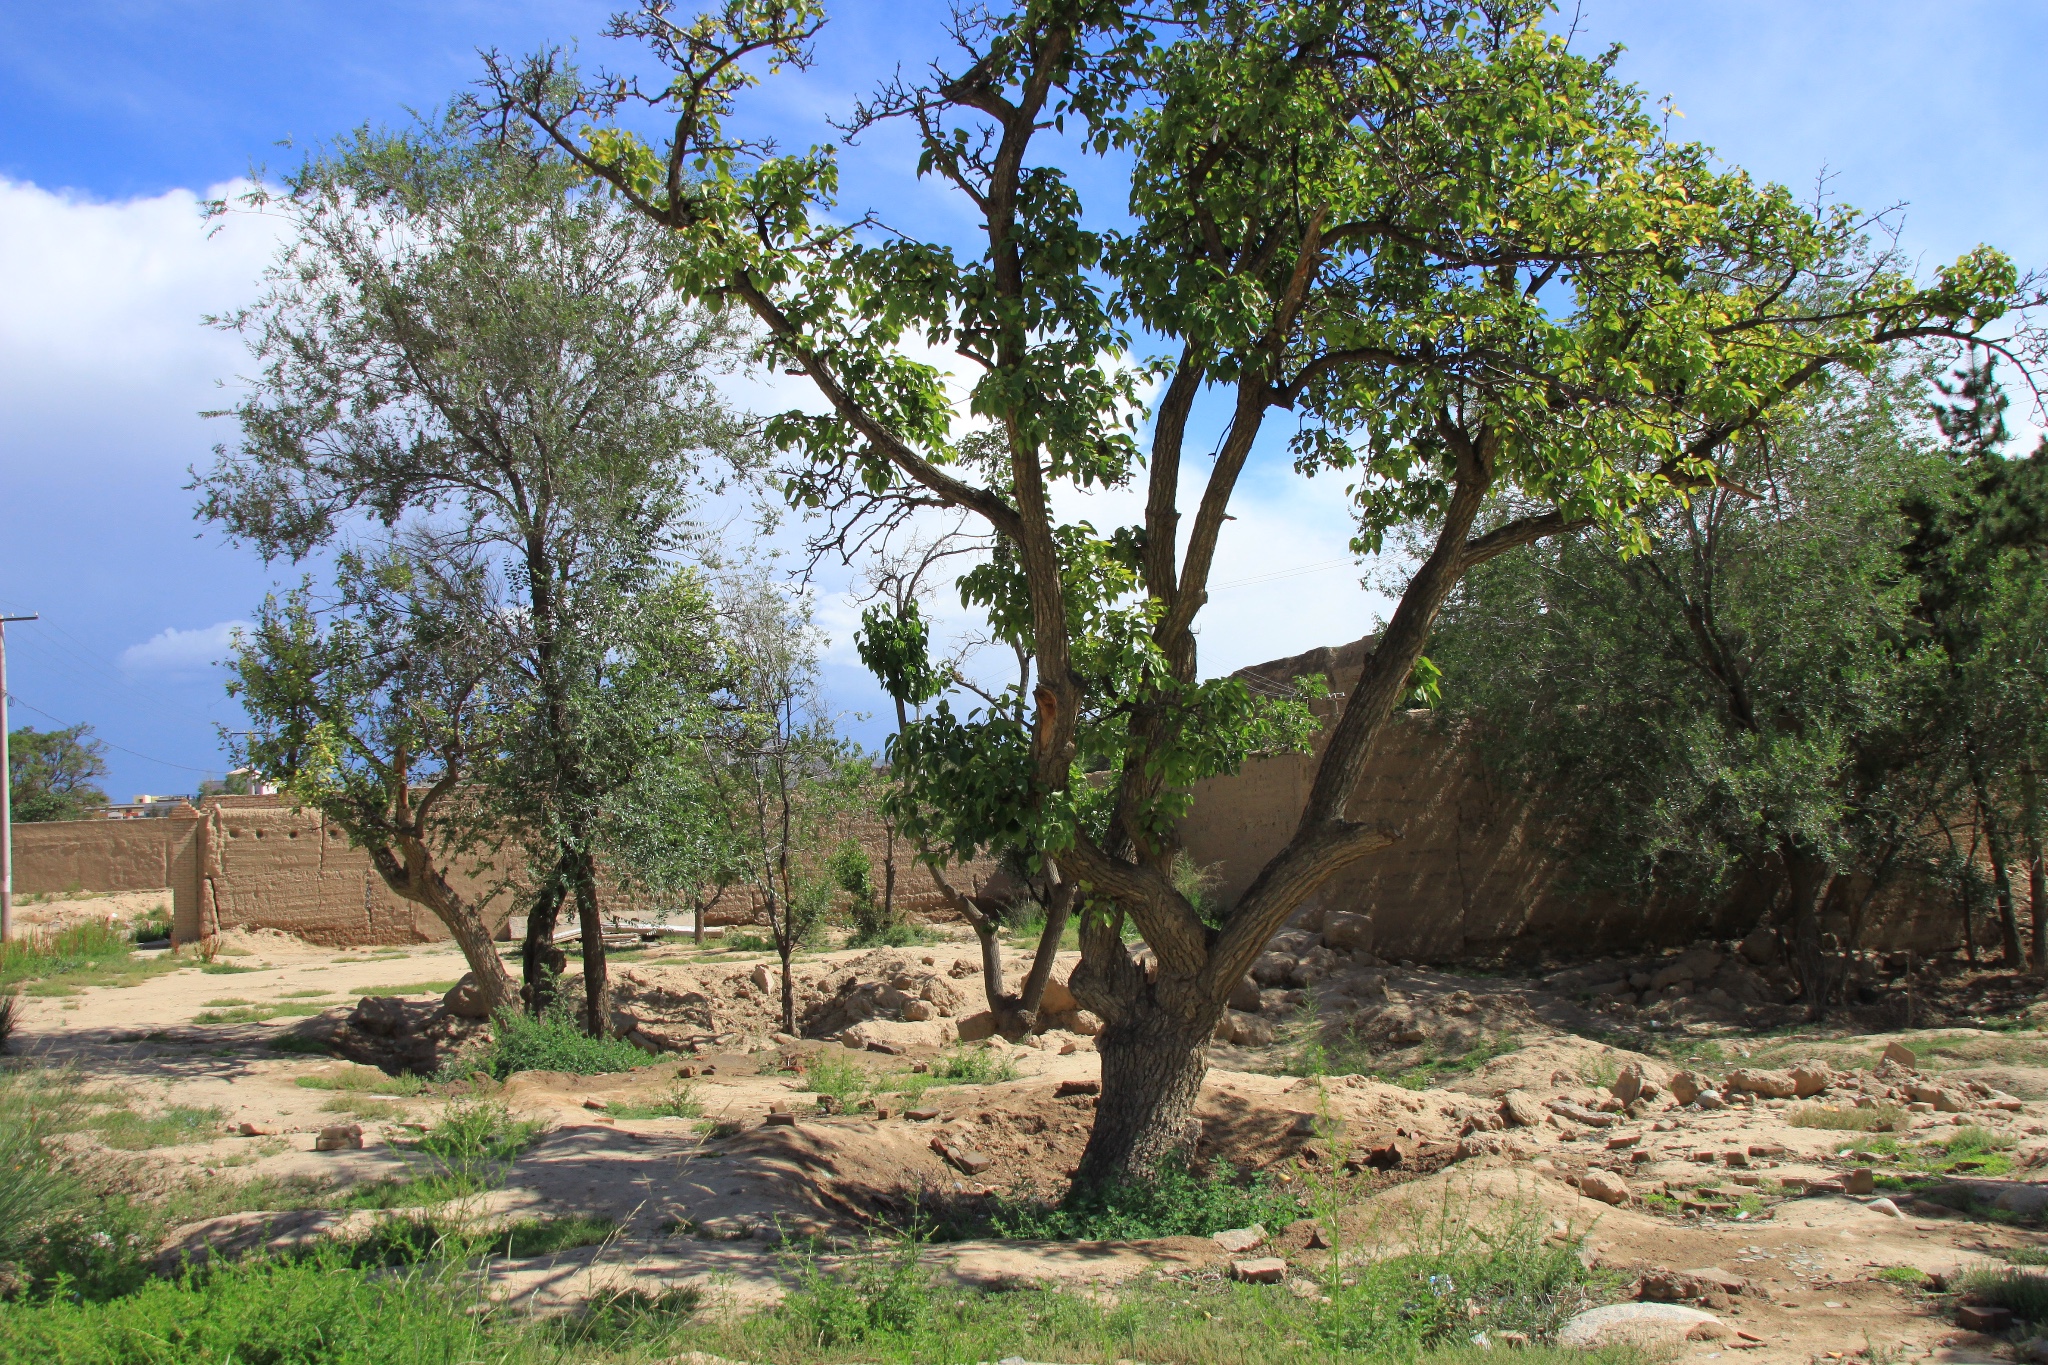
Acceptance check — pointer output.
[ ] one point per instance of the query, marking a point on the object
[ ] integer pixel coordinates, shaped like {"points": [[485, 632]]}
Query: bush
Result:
{"points": [[2025, 1292], [314, 1311], [553, 1042], [1174, 1202], [1885, 1118], [82, 947], [680, 1102], [883, 1293], [10, 1015]]}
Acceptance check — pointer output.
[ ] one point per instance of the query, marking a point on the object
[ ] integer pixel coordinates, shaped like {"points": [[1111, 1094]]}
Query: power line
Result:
{"points": [[14, 700], [1279, 574]]}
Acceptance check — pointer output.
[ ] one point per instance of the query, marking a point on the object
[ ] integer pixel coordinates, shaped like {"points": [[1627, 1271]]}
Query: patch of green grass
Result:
{"points": [[256, 1014], [2024, 1291], [746, 943], [152, 926], [416, 988], [1905, 1275], [2025, 1255], [962, 1066], [680, 1102], [303, 995], [1885, 1118], [554, 1043], [364, 1079], [833, 1075], [86, 954], [218, 968], [1173, 1202], [174, 1126], [363, 1107]]}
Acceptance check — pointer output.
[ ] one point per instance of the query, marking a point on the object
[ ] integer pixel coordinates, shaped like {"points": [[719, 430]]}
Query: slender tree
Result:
{"points": [[1473, 272], [371, 708], [456, 340]]}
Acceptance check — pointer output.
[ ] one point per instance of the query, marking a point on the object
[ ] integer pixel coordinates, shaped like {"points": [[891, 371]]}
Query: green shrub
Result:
{"points": [[680, 1102], [2025, 1292], [831, 1074], [1173, 1202], [153, 926], [554, 1042], [1885, 1118], [88, 947], [884, 1293], [312, 1311]]}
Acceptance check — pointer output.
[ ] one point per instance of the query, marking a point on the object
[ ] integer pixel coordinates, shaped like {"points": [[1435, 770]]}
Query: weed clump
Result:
{"points": [[1885, 1118], [1173, 1202], [552, 1042], [680, 1102], [2023, 1291]]}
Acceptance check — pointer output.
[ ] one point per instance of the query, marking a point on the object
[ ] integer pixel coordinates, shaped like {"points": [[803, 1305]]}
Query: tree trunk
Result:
{"points": [[596, 980], [1152, 1069], [2001, 875], [1807, 875], [414, 877], [2037, 872], [1058, 906], [540, 962], [788, 991]]}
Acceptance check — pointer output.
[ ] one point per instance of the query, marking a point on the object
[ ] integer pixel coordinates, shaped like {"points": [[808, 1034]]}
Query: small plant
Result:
{"points": [[974, 1066], [837, 1078], [367, 1079], [748, 943], [1885, 1118], [215, 967], [1172, 1202], [680, 1102], [874, 924], [363, 1107], [2023, 1291], [1905, 1275], [154, 926], [883, 1293], [10, 1016], [554, 1042]]}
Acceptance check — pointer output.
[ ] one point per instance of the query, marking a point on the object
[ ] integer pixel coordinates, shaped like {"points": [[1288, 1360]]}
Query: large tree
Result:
{"points": [[1735, 698], [457, 342], [50, 773], [1461, 262]]}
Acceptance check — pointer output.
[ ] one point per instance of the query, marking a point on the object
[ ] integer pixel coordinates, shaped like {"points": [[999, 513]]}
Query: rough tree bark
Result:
{"points": [[407, 867]]}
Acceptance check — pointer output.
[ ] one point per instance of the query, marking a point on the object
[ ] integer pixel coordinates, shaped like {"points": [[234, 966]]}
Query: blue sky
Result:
{"points": [[116, 118]]}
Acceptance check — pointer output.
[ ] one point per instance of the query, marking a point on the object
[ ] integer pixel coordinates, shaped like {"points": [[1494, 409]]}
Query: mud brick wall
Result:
{"points": [[1476, 871], [252, 862]]}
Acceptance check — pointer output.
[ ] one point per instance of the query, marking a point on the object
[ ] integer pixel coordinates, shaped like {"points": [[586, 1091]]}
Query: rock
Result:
{"points": [[1810, 1078], [1761, 947], [1261, 1270], [1686, 1087], [920, 1115], [1244, 1030], [1346, 931], [1887, 1208], [1273, 969], [253, 1130], [761, 977], [1520, 1109], [1604, 1186], [1240, 1239], [1245, 996], [1711, 1099], [1387, 1158], [1777, 1085], [1579, 1114], [1643, 1325], [1058, 999], [880, 1035], [383, 1015], [917, 1011], [781, 1039], [339, 1137], [968, 1159], [465, 1000], [1972, 1317], [1898, 1054], [1628, 1086], [1860, 1181], [783, 1119], [961, 967], [1673, 1286], [974, 1027], [1479, 1144]]}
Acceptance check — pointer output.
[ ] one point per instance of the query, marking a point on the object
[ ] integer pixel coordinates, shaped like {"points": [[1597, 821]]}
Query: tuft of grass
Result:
{"points": [[2024, 1291], [1905, 1275], [86, 954], [1885, 1118], [2025, 1255], [363, 1107], [255, 1014], [10, 1018], [554, 1043], [680, 1102], [834, 1075], [1172, 1202], [365, 1079], [303, 995], [416, 988], [219, 968], [152, 926]]}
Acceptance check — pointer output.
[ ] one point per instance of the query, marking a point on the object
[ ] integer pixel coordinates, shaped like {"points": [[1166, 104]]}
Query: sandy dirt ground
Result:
{"points": [[1720, 1201]]}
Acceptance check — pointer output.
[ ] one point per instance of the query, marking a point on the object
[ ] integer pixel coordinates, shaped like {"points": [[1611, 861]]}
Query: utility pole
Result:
{"points": [[7, 792]]}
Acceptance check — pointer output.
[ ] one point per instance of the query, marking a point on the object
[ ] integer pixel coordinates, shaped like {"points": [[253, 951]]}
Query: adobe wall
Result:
{"points": [[252, 862], [1475, 870]]}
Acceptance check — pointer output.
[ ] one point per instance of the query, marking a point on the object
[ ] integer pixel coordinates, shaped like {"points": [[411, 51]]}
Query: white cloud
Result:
{"points": [[173, 651], [102, 337]]}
